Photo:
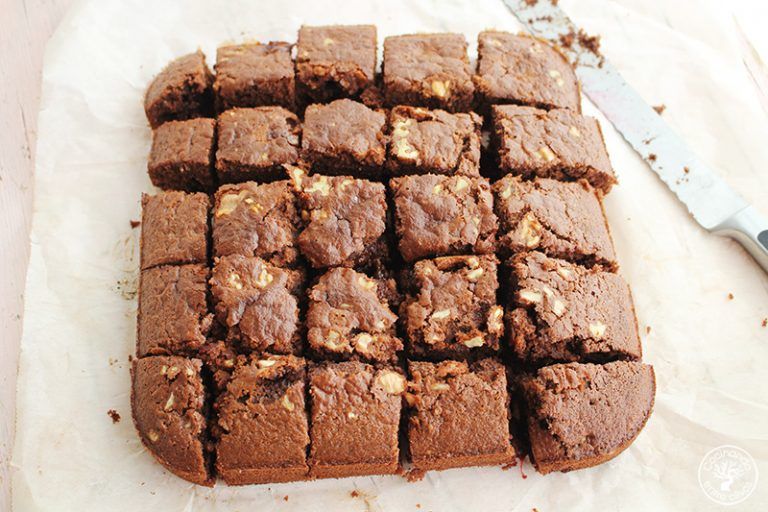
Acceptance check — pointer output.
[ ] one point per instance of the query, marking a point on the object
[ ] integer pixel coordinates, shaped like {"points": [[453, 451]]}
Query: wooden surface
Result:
{"points": [[26, 26]]}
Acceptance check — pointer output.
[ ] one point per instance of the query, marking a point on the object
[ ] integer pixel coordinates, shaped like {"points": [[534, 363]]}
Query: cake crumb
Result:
{"points": [[660, 108], [765, 322], [418, 505], [135, 224], [354, 494], [285, 498], [652, 157], [531, 3], [686, 170], [647, 329], [730, 296], [114, 415]]}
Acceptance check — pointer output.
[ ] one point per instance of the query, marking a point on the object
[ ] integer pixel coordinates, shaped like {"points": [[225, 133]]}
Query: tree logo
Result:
{"points": [[727, 475]]}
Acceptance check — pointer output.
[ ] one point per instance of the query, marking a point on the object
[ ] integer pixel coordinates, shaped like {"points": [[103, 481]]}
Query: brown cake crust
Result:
{"points": [[167, 401], [433, 141], [182, 90], [349, 318], [174, 229], [335, 61], [345, 220], [443, 215], [173, 317], [563, 220], [262, 427], [253, 75], [428, 70], [558, 144], [181, 157], [257, 220], [452, 311], [458, 415], [582, 415], [562, 312], [344, 137], [355, 415], [257, 303], [524, 70], [255, 143]]}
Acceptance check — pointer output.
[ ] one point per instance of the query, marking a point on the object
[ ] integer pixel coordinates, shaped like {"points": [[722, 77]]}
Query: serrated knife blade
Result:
{"points": [[708, 198]]}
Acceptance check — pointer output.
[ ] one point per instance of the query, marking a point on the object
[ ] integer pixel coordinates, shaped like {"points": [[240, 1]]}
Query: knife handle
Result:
{"points": [[750, 229]]}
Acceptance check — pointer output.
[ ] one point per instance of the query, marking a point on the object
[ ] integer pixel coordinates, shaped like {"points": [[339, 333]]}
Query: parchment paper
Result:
{"points": [[709, 352]]}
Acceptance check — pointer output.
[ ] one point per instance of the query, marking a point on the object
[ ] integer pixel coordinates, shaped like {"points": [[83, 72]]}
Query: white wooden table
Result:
{"points": [[27, 25]]}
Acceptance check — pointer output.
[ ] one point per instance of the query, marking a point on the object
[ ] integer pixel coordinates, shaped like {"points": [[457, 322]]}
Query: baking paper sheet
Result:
{"points": [[709, 352]]}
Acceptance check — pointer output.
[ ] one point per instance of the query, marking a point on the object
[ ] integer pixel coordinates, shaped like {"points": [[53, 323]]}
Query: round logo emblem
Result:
{"points": [[727, 475]]}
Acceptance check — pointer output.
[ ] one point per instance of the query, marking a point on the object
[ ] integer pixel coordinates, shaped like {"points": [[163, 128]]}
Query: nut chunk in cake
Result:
{"points": [[262, 426], [345, 220], [434, 141], [257, 303], [174, 229], [558, 144], [345, 137], [182, 155], [182, 90], [563, 312], [335, 61], [525, 71], [561, 219], [167, 400], [173, 314], [452, 311], [581, 415], [355, 419], [443, 215], [428, 70], [257, 220], [458, 415], [255, 143], [252, 75], [349, 317]]}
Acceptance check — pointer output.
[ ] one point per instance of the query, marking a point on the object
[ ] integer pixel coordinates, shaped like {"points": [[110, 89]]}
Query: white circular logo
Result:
{"points": [[727, 475]]}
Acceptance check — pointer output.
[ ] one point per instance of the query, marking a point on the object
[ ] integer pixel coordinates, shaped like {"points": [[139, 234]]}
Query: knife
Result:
{"points": [[708, 198]]}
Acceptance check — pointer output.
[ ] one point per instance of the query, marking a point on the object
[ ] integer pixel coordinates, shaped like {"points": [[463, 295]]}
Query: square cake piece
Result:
{"points": [[258, 304], [180, 91], [345, 220], [458, 415], [345, 137], [168, 404], [252, 75], [173, 316], [563, 220], [558, 144], [354, 420], [257, 220], [582, 415], [174, 229], [562, 312], [452, 310], [182, 155], [428, 70], [525, 71], [349, 318], [255, 143], [434, 141], [262, 426], [335, 61], [442, 215]]}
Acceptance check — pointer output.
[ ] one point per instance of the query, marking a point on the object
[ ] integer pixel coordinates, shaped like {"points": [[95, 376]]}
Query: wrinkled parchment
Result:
{"points": [[709, 352]]}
